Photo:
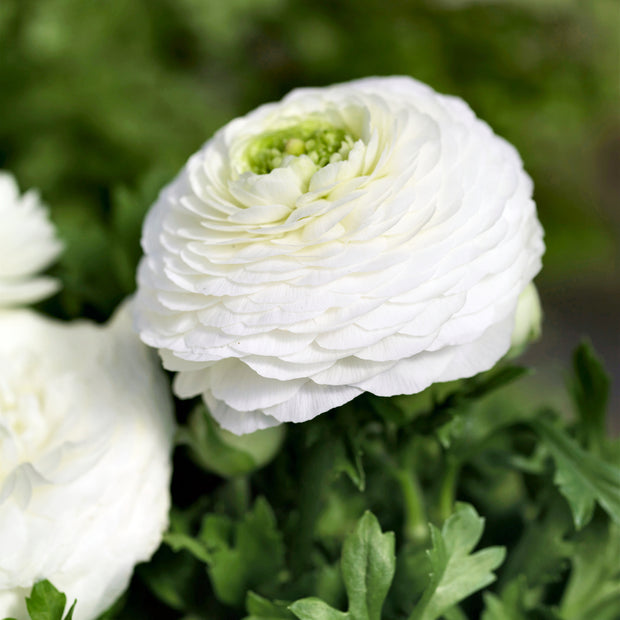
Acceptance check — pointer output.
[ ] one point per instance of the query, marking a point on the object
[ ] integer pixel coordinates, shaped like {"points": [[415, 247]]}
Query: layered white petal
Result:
{"points": [[86, 432], [28, 245], [278, 296]]}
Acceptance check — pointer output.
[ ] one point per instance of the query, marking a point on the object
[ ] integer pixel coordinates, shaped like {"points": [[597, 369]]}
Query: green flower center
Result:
{"points": [[321, 142]]}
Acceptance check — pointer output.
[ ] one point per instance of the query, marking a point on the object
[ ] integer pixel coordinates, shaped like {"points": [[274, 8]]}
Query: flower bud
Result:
{"points": [[224, 453], [528, 321]]}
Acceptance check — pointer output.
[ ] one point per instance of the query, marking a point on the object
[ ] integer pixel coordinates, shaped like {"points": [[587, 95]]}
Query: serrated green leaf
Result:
{"points": [[178, 541], [368, 565], [260, 608], [550, 530], [315, 609], [177, 579], [455, 574], [323, 462], [497, 609], [47, 603], [243, 555], [516, 602], [582, 478], [410, 578], [590, 389], [593, 590]]}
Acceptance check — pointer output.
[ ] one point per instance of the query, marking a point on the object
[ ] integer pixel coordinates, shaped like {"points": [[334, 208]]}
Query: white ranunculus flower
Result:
{"points": [[28, 245], [370, 236], [85, 440]]}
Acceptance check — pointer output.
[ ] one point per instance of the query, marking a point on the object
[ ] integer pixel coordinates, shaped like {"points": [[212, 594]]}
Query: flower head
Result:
{"points": [[28, 244], [85, 440], [369, 236]]}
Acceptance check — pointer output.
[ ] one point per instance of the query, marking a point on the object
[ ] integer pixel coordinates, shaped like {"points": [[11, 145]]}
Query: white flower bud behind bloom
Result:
{"points": [[86, 432], [528, 321], [369, 236], [28, 244]]}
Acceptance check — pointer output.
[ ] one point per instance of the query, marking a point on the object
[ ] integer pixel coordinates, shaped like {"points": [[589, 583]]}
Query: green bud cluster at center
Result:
{"points": [[321, 142]]}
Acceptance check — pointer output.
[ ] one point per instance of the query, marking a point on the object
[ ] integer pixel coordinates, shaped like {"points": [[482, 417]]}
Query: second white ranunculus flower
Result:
{"points": [[86, 431], [370, 236]]}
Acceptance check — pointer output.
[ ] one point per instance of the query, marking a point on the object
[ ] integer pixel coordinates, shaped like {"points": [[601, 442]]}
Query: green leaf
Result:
{"points": [[177, 579], [260, 608], [315, 609], [582, 478], [458, 396], [47, 603], [593, 590], [550, 531], [368, 563], [348, 460], [177, 541], [516, 603], [454, 613], [410, 578], [455, 572], [590, 389], [488, 382], [243, 555], [69, 615], [323, 462]]}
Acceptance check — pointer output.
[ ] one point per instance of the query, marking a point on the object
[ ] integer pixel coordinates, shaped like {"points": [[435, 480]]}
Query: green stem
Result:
{"points": [[240, 494], [447, 491], [416, 525]]}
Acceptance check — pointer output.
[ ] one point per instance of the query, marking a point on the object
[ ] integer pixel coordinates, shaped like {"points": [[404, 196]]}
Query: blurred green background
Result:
{"points": [[102, 101]]}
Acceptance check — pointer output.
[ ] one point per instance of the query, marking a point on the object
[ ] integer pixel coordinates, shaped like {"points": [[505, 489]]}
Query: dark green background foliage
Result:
{"points": [[95, 95]]}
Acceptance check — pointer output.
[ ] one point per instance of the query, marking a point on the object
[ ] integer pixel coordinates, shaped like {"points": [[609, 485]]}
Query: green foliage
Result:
{"points": [[583, 478], [456, 573], [260, 608], [368, 564], [514, 605], [255, 553], [47, 603], [590, 390], [240, 555], [549, 530], [593, 590]]}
